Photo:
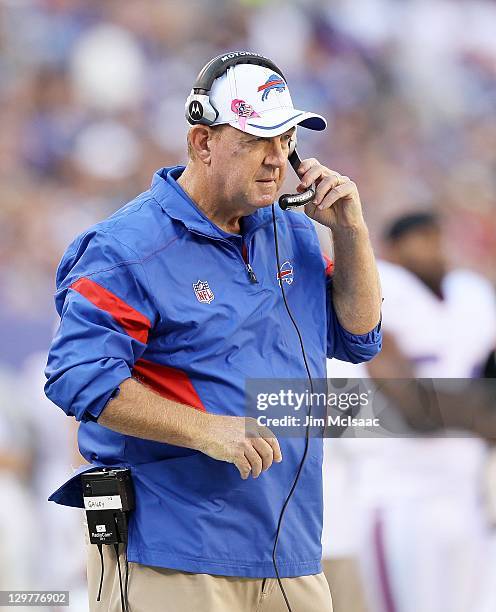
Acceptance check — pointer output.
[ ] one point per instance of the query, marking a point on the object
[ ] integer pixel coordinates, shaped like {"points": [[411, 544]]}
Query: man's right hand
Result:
{"points": [[240, 440]]}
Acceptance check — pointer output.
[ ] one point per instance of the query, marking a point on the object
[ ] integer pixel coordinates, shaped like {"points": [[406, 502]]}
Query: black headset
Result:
{"points": [[200, 110]]}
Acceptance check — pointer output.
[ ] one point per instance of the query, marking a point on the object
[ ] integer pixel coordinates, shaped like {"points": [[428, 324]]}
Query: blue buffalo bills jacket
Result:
{"points": [[159, 293]]}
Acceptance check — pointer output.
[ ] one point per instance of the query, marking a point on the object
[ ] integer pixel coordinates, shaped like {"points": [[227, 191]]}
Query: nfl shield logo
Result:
{"points": [[203, 292]]}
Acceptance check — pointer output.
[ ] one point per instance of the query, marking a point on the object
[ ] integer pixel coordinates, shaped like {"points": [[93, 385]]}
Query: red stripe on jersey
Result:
{"points": [[133, 322], [168, 382], [329, 265]]}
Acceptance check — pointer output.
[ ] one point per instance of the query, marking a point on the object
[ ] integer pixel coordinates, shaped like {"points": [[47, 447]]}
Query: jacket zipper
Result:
{"points": [[251, 274]]}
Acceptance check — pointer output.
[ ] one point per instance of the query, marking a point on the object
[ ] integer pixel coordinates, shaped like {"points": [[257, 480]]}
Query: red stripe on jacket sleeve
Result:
{"points": [[133, 322], [168, 382], [329, 265]]}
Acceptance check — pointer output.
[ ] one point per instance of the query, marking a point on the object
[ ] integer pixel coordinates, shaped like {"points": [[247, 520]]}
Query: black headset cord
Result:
{"points": [[123, 602], [99, 546], [307, 432], [126, 583]]}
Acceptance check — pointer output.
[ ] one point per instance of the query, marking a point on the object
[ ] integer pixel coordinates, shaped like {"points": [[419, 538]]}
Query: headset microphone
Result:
{"points": [[288, 200]]}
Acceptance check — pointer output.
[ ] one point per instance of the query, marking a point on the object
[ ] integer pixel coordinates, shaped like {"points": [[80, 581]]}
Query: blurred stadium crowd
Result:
{"points": [[92, 102]]}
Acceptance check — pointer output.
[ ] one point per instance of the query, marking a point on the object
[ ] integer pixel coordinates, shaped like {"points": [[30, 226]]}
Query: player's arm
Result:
{"points": [[391, 361], [425, 407]]}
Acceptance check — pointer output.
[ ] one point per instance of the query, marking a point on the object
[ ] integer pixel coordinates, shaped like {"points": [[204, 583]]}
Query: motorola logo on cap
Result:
{"points": [[229, 56], [195, 110]]}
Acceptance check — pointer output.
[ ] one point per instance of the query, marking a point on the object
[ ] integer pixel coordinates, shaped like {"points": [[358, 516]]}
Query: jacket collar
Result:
{"points": [[178, 205]]}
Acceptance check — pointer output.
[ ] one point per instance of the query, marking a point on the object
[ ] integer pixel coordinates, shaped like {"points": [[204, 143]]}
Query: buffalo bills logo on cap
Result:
{"points": [[273, 82], [244, 111], [195, 110], [286, 273], [203, 292]]}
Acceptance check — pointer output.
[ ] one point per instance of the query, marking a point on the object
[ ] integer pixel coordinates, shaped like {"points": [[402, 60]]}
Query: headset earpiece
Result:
{"points": [[199, 110]]}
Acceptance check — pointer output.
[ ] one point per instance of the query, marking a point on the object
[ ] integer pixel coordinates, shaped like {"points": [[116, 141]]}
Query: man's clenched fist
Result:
{"points": [[242, 441]]}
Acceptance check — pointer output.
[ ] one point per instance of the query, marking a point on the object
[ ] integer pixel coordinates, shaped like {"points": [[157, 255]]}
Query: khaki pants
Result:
{"points": [[344, 578], [154, 589]]}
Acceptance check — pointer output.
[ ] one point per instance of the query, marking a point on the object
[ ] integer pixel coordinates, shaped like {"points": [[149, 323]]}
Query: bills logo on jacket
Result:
{"points": [[203, 292], [286, 273]]}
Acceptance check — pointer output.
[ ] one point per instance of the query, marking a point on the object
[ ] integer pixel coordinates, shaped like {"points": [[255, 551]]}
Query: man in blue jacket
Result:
{"points": [[167, 308]]}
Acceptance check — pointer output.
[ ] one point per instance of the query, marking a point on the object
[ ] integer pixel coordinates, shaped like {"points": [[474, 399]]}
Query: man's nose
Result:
{"points": [[277, 154]]}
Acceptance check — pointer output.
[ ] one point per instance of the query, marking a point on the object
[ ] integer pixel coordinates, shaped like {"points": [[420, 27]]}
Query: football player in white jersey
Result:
{"points": [[420, 522]]}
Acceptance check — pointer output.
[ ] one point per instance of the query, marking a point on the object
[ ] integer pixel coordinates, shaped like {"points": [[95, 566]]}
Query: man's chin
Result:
{"points": [[263, 202], [265, 199]]}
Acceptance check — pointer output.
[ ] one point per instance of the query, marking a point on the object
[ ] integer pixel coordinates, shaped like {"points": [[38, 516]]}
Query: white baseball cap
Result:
{"points": [[256, 100]]}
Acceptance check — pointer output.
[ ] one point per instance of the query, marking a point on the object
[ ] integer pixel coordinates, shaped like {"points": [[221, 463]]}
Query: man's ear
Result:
{"points": [[199, 142]]}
